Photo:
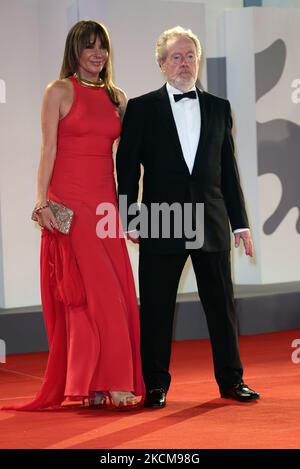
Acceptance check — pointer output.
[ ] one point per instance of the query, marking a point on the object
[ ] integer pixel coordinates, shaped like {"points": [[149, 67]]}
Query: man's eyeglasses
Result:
{"points": [[177, 59]]}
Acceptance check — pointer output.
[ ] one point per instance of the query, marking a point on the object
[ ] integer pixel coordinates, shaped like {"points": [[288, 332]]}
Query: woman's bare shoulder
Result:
{"points": [[58, 88]]}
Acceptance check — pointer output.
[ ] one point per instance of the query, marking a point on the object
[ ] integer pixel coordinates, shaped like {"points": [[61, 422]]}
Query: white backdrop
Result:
{"points": [[32, 37], [19, 149], [262, 64]]}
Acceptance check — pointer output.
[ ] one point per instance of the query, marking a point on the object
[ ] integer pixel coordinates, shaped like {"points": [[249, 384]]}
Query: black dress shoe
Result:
{"points": [[240, 392], [155, 398]]}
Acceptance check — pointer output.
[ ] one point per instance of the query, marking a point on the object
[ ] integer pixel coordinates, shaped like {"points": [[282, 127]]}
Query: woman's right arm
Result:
{"points": [[51, 112]]}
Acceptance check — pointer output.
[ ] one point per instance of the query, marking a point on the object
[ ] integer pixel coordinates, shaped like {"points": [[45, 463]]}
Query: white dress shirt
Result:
{"points": [[187, 118]]}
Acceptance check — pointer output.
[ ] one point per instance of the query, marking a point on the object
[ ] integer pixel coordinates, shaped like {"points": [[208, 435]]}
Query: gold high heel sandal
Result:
{"points": [[123, 400]]}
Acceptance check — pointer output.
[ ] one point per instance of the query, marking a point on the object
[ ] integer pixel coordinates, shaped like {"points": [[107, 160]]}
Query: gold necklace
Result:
{"points": [[91, 84]]}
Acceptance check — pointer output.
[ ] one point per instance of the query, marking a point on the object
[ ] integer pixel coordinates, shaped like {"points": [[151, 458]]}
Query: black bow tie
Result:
{"points": [[189, 94]]}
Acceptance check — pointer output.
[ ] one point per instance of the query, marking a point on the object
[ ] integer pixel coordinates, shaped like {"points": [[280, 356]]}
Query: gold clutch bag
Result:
{"points": [[63, 216]]}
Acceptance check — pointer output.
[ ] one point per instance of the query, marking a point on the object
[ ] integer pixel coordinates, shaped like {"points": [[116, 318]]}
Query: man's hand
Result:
{"points": [[247, 240], [133, 236]]}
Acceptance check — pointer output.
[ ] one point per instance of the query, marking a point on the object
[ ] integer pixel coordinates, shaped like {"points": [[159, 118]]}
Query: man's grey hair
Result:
{"points": [[177, 31]]}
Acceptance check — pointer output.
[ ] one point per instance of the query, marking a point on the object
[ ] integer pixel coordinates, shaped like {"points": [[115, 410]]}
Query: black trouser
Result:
{"points": [[159, 275]]}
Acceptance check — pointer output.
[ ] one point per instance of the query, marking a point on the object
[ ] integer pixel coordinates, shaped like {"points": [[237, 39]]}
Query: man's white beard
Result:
{"points": [[184, 84]]}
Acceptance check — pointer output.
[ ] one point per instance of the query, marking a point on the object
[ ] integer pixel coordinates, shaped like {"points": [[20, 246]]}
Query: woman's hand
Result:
{"points": [[46, 219]]}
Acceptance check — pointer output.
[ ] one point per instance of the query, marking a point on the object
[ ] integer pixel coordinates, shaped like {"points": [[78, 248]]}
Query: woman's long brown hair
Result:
{"points": [[79, 37]]}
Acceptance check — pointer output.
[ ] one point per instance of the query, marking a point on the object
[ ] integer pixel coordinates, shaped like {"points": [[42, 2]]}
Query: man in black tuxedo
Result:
{"points": [[181, 135]]}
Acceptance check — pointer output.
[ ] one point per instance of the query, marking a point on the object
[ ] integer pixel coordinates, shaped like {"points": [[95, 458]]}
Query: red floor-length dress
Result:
{"points": [[88, 293]]}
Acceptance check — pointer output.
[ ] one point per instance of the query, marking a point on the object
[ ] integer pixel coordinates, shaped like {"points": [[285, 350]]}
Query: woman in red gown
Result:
{"points": [[88, 295]]}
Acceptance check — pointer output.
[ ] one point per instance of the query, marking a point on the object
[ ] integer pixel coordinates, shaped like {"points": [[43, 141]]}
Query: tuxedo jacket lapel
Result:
{"points": [[203, 133]]}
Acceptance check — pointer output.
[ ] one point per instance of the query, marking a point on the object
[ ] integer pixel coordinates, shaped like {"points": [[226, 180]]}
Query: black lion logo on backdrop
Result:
{"points": [[278, 141]]}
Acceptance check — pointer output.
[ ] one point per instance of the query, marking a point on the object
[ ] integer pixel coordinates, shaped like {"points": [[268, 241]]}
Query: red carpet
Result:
{"points": [[195, 416]]}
